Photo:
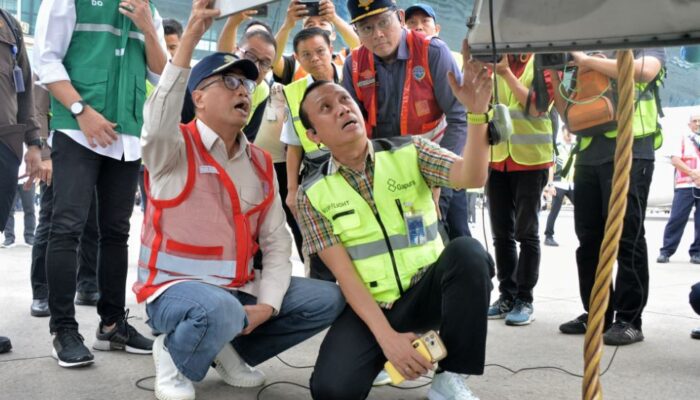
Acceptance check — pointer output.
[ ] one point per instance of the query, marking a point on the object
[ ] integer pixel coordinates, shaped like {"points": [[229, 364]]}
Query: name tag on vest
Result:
{"points": [[366, 82], [207, 169]]}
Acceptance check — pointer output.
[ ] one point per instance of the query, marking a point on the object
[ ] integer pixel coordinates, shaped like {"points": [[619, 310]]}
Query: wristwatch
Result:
{"points": [[77, 108], [479, 119]]}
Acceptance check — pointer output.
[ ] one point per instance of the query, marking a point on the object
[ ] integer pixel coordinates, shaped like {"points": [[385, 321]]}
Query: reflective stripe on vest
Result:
{"points": [[420, 111], [377, 242], [109, 29], [531, 141], [398, 242]]}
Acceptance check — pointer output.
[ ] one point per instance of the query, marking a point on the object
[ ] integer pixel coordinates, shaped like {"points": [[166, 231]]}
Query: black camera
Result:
{"points": [[311, 6], [552, 60]]}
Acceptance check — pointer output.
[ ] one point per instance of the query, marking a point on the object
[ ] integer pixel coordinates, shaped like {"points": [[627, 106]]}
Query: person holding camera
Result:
{"points": [[519, 171], [395, 78], [594, 163], [370, 215], [213, 203], [313, 14]]}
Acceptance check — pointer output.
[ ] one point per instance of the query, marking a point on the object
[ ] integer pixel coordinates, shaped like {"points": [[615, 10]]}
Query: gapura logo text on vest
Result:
{"points": [[393, 186], [334, 206]]}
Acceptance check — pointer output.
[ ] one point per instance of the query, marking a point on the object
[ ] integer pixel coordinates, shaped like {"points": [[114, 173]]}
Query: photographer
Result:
{"points": [[320, 14]]}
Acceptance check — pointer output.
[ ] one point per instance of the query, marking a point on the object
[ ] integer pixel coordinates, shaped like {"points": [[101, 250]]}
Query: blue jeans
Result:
{"points": [[683, 201], [199, 319]]}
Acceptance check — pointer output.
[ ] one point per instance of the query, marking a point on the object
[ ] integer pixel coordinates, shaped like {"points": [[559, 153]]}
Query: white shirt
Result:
{"points": [[54, 29]]}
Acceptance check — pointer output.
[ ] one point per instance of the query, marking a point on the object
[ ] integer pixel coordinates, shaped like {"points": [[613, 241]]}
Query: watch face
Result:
{"points": [[76, 108]]}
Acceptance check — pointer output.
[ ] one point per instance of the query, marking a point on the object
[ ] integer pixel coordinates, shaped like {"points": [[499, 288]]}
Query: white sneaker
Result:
{"points": [[170, 383], [382, 379], [234, 371], [450, 386]]}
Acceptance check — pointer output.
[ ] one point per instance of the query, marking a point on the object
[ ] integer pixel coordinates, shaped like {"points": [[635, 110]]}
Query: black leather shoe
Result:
{"points": [[5, 344], [87, 298], [695, 333], [40, 308]]}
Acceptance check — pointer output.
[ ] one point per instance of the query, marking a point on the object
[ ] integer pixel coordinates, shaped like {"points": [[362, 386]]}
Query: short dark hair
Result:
{"points": [[264, 35], [309, 33], [303, 116], [254, 22], [172, 27]]}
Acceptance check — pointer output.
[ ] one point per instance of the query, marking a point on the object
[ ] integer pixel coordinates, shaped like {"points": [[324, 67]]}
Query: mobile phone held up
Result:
{"points": [[429, 346], [262, 11], [312, 6]]}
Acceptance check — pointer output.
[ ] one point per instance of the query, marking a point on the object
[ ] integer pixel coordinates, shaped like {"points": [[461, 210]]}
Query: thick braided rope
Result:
{"points": [[600, 296]]}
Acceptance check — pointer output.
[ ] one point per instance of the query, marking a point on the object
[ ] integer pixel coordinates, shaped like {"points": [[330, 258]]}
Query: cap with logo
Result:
{"points": [[421, 7], [218, 63], [361, 9]]}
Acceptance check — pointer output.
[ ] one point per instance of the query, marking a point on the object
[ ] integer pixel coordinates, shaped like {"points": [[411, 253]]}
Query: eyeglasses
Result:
{"points": [[264, 65], [232, 83], [384, 23], [696, 121]]}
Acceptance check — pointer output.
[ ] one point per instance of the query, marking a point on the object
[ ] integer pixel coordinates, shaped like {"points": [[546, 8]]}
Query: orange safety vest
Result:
{"points": [[338, 59], [420, 111], [202, 234]]}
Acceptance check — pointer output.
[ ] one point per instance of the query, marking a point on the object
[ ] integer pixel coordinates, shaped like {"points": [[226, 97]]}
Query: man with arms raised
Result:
{"points": [[212, 203]]}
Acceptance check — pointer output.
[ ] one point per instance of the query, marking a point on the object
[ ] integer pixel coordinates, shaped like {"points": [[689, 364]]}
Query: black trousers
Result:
{"points": [[87, 251], [9, 168], [281, 171], [455, 214], [26, 198], [557, 201], [78, 172], [453, 297], [631, 290], [514, 205]]}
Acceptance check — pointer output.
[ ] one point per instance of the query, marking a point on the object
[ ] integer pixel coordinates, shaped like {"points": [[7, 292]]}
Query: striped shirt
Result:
{"points": [[434, 163]]}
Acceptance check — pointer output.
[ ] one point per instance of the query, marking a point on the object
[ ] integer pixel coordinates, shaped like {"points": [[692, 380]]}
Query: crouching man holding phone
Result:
{"points": [[369, 214]]}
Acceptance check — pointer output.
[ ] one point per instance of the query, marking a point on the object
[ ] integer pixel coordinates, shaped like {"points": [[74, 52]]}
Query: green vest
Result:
{"points": [[531, 141], [377, 243], [293, 93], [260, 94], [106, 63], [645, 121]]}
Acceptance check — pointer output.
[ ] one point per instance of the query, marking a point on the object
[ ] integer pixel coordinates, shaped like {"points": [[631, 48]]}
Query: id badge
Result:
{"points": [[270, 114], [415, 230], [19, 79]]}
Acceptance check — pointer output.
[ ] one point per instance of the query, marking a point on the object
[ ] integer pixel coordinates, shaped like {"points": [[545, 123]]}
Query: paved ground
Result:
{"points": [[664, 366]]}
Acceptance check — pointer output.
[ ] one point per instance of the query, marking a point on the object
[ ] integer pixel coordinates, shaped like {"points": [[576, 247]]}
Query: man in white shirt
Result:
{"points": [[94, 57], [684, 156]]}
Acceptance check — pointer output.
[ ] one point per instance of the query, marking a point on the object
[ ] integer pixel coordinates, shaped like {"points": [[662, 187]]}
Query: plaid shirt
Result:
{"points": [[434, 163]]}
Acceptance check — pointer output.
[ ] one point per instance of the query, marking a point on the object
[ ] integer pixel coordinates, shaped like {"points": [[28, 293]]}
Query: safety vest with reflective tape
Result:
{"points": [[293, 93], [420, 111], [202, 234], [531, 141], [377, 243], [645, 121], [106, 63]]}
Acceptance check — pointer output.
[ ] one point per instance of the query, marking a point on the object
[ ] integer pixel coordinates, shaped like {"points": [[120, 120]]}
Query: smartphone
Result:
{"points": [[429, 346], [262, 11], [312, 6]]}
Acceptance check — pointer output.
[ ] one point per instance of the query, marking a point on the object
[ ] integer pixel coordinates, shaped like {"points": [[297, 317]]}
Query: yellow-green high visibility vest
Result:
{"points": [[260, 94], [645, 121], [294, 92], [378, 243], [531, 141]]}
